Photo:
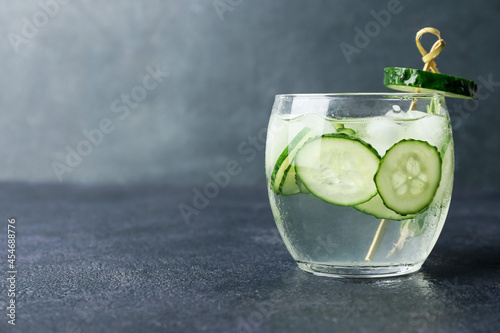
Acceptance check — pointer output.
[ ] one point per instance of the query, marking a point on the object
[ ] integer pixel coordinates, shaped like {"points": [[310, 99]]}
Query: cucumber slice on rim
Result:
{"points": [[419, 81], [338, 169], [283, 176], [409, 176], [376, 207]]}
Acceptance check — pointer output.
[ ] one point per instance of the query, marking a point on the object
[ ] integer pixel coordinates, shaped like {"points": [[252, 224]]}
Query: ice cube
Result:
{"points": [[430, 128], [382, 133], [415, 114]]}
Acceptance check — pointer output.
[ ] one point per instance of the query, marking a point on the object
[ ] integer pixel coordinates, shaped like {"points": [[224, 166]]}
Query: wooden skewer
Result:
{"points": [[379, 235], [429, 63]]}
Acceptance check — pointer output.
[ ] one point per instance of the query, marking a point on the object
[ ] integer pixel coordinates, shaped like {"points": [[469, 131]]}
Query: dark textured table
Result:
{"points": [[122, 259]]}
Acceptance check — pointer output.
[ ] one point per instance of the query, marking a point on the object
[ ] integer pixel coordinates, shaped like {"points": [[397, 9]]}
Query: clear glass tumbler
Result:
{"points": [[360, 184]]}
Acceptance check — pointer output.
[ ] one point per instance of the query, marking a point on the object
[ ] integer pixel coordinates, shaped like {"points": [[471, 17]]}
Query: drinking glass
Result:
{"points": [[359, 184]]}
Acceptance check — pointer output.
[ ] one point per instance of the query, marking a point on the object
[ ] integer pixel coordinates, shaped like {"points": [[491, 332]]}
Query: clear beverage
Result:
{"points": [[332, 239]]}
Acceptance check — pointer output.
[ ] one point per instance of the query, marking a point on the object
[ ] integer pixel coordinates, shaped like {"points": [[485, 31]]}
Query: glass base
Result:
{"points": [[358, 271]]}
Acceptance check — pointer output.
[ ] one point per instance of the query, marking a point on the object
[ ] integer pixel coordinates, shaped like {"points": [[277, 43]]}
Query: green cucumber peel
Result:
{"points": [[419, 81], [283, 166]]}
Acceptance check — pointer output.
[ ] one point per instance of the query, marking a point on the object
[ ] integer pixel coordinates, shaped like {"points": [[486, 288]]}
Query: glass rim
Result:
{"points": [[362, 94]]}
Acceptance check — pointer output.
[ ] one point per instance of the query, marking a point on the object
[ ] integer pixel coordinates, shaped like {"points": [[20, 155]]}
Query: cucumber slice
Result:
{"points": [[444, 149], [448, 164], [338, 169], [291, 185], [348, 131], [418, 81], [408, 176], [301, 186], [340, 128], [288, 185], [376, 207], [283, 176]]}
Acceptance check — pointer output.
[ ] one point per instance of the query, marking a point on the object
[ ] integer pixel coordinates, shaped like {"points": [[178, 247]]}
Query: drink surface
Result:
{"points": [[317, 231]]}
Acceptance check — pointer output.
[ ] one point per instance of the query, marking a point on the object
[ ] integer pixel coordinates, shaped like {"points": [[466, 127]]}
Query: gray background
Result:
{"points": [[223, 72]]}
